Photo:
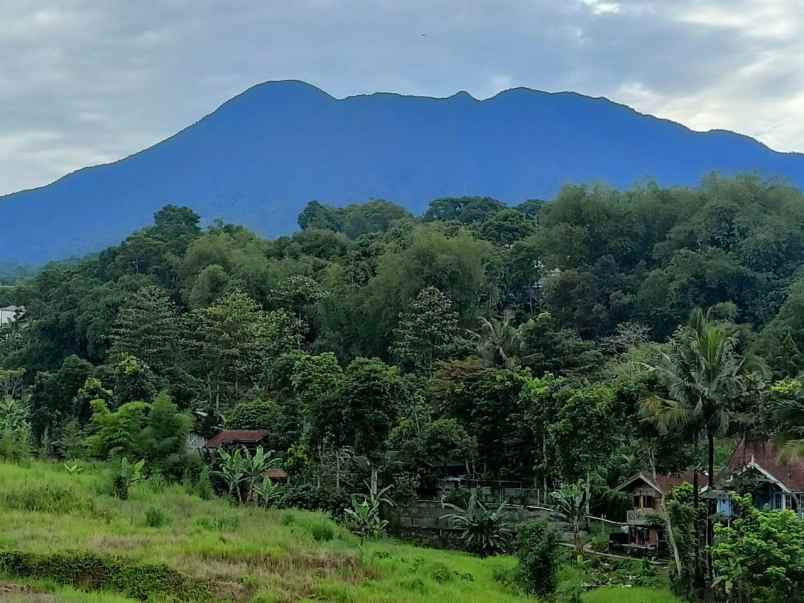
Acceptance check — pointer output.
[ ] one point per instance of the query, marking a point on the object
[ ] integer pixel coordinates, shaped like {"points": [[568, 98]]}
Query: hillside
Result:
{"points": [[69, 526], [262, 155]]}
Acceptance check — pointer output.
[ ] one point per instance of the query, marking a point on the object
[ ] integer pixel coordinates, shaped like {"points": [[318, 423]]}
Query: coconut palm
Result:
{"points": [[703, 372], [498, 341]]}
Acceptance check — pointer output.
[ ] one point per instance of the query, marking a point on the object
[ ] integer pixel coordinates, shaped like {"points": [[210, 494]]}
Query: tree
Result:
{"points": [[147, 327], [786, 420], [370, 400], [165, 437], [233, 344], [487, 402], [760, 555], [498, 341], [702, 372], [570, 501], [539, 558], [427, 332]]}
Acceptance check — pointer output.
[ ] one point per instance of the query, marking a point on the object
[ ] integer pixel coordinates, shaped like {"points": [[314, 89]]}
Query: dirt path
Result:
{"points": [[10, 591]]}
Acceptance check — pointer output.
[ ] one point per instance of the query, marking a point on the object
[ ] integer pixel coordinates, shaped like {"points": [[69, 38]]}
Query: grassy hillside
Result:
{"points": [[60, 527]]}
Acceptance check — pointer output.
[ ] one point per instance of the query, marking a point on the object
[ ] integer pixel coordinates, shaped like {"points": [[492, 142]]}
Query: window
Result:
{"points": [[649, 502], [637, 501]]}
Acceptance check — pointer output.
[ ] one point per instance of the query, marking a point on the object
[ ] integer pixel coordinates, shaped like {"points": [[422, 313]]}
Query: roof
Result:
{"points": [[237, 436], [663, 483], [275, 473], [766, 457]]}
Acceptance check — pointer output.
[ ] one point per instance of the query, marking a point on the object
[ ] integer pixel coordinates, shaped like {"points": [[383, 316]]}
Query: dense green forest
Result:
{"points": [[545, 343]]}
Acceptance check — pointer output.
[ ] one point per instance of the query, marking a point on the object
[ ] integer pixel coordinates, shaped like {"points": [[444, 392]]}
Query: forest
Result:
{"points": [[556, 345]]}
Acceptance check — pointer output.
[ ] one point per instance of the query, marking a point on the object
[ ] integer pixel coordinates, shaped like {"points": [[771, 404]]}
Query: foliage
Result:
{"points": [[365, 514], [570, 501], [97, 572], [125, 475], [427, 332], [536, 548], [760, 555], [483, 531]]}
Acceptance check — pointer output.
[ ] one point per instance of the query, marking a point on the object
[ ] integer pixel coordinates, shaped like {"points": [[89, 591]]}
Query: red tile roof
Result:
{"points": [[237, 436], [766, 456]]}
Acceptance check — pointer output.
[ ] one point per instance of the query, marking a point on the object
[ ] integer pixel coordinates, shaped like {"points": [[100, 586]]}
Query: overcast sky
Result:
{"points": [[88, 81]]}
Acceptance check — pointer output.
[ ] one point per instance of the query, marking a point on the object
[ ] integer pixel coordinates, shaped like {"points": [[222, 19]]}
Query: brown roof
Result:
{"points": [[237, 436], [275, 473], [766, 456], [663, 483]]}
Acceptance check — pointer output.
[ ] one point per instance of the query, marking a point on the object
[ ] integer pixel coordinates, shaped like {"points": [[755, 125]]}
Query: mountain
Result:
{"points": [[260, 157]]}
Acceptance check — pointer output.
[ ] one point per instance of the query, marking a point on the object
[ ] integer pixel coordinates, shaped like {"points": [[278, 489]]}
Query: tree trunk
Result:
{"points": [[671, 539], [710, 529], [696, 524]]}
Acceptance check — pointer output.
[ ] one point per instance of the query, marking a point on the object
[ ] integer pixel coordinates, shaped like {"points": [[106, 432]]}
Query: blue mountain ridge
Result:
{"points": [[261, 156]]}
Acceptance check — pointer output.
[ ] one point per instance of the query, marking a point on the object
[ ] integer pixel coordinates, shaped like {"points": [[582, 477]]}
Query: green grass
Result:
{"points": [[629, 595], [243, 553]]}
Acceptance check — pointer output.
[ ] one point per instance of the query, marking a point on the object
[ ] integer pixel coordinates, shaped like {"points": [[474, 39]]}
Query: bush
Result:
{"points": [[539, 557], [95, 572], [255, 414], [322, 530], [156, 518], [310, 498], [483, 531]]}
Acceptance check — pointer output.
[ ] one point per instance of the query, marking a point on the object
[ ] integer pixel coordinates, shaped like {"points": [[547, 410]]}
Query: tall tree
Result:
{"points": [[703, 372], [426, 332], [148, 327]]}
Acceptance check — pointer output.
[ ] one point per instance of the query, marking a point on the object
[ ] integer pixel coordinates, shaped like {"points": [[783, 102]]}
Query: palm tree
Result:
{"points": [[498, 341], [703, 373]]}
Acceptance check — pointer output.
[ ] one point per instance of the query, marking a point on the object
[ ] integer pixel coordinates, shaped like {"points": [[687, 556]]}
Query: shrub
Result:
{"points": [[95, 572], [125, 475], [322, 530], [483, 531], [539, 557], [311, 498], [156, 518]]}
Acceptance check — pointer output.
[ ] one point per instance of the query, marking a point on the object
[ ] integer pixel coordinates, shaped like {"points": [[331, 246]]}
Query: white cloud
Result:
{"points": [[83, 81], [601, 7]]}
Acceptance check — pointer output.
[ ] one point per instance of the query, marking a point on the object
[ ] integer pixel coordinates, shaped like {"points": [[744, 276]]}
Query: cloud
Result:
{"points": [[83, 81]]}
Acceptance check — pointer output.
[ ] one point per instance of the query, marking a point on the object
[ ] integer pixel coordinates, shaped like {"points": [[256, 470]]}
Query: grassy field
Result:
{"points": [[51, 517]]}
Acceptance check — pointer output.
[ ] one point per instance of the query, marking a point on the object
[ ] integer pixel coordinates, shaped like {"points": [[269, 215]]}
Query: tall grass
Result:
{"points": [[244, 553]]}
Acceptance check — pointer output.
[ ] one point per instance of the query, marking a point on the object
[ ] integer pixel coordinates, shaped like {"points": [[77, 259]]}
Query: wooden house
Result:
{"points": [[759, 468], [645, 525]]}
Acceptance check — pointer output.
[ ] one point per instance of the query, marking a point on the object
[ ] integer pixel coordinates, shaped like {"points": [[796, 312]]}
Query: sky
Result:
{"points": [[85, 82]]}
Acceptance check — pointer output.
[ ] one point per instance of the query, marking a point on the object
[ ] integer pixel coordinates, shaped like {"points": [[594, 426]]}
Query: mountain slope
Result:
{"points": [[260, 157]]}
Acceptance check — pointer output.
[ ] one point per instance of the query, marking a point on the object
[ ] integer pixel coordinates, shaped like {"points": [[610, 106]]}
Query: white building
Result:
{"points": [[10, 313]]}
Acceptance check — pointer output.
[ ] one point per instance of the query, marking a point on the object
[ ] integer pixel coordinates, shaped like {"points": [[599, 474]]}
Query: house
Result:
{"points": [[758, 468], [645, 525], [10, 314], [236, 438], [275, 474]]}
